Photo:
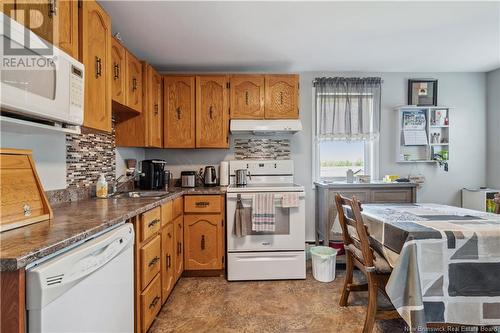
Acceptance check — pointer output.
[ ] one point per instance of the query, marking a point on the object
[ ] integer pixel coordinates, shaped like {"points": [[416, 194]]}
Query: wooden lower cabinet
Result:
{"points": [[150, 303], [167, 255], [204, 233], [179, 247], [203, 237]]}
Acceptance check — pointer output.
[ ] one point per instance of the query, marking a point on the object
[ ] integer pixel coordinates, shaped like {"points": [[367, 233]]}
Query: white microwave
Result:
{"points": [[37, 79]]}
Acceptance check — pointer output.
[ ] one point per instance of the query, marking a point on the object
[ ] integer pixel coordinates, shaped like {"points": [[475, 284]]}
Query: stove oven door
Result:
{"points": [[289, 232]]}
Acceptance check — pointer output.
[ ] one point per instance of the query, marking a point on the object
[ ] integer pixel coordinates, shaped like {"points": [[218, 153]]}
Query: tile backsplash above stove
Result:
{"points": [[262, 149]]}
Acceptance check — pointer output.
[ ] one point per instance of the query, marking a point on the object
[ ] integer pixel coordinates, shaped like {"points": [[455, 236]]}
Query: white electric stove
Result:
{"points": [[266, 256]]}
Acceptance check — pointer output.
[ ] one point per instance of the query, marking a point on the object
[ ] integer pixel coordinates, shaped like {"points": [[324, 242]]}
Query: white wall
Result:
{"points": [[493, 131], [49, 154], [127, 153], [465, 92]]}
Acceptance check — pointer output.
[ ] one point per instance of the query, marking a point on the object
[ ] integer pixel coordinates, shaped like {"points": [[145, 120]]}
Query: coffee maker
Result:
{"points": [[153, 175]]}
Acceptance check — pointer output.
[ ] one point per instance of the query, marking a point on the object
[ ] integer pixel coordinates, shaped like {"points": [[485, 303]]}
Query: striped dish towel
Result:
{"points": [[263, 212], [290, 200]]}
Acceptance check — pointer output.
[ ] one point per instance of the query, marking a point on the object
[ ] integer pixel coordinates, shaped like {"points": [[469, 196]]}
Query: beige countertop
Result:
{"points": [[76, 221]]}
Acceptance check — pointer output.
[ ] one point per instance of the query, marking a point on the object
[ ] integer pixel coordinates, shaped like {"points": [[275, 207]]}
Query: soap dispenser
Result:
{"points": [[102, 187]]}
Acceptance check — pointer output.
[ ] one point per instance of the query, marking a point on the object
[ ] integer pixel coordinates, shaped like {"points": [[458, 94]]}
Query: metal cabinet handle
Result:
{"points": [[53, 8], [281, 97], [98, 67], [202, 203], [202, 245], [168, 261], [116, 71], [246, 97], [134, 84], [152, 223], [156, 108], [154, 302], [211, 112], [153, 261], [179, 111]]}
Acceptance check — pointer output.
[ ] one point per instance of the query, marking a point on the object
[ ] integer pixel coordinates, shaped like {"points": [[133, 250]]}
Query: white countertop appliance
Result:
{"points": [[272, 255], [38, 80], [89, 288]]}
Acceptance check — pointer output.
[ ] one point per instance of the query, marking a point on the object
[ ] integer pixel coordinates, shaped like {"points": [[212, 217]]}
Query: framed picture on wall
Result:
{"points": [[422, 92]]}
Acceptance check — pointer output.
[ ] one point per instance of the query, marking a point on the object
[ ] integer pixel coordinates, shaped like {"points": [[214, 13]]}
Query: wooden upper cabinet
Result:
{"points": [[153, 106], [212, 112], [118, 54], [67, 32], [56, 21], [179, 111], [95, 53], [39, 16], [203, 237], [282, 92], [134, 83], [247, 96]]}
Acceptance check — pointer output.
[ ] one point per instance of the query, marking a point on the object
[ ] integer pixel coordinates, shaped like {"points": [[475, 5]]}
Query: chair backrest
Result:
{"points": [[354, 230], [497, 203]]}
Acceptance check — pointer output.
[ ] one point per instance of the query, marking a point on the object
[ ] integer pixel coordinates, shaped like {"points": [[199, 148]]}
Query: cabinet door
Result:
{"points": [[154, 108], [179, 250], [179, 104], [39, 16], [95, 53], [167, 264], [133, 85], [247, 96], [204, 242], [67, 32], [118, 70], [212, 113], [8, 8], [282, 94]]}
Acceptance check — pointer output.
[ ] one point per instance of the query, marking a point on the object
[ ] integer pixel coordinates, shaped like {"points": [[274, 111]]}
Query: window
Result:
{"points": [[346, 127], [335, 157]]}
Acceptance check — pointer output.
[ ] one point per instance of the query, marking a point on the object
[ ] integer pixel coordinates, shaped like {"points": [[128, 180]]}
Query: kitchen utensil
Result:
{"points": [[188, 178], [241, 177], [209, 176]]}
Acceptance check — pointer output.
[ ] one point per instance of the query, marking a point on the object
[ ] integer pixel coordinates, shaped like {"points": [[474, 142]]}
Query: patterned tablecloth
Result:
{"points": [[446, 262]]}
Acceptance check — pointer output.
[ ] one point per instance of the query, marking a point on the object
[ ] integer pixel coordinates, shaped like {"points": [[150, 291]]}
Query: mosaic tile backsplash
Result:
{"points": [[87, 156], [262, 149]]}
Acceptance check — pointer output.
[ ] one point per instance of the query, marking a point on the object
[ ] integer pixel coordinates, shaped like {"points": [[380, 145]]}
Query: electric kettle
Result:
{"points": [[209, 176]]}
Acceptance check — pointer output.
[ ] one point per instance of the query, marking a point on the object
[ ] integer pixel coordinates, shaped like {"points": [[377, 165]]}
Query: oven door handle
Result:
{"points": [[250, 196]]}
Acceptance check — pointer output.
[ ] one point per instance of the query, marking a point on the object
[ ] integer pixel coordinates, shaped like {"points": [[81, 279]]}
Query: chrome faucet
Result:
{"points": [[117, 185]]}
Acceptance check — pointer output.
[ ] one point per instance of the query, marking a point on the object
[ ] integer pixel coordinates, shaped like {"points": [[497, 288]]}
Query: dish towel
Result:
{"points": [[263, 212], [290, 200], [242, 217]]}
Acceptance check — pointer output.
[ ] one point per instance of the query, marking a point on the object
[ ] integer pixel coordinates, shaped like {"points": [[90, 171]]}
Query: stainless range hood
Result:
{"points": [[266, 127]]}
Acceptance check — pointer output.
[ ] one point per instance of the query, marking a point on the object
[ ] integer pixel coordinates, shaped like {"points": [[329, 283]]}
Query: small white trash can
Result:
{"points": [[323, 263]]}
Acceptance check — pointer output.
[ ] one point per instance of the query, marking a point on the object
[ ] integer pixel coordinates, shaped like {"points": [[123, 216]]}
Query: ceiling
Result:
{"points": [[311, 36]]}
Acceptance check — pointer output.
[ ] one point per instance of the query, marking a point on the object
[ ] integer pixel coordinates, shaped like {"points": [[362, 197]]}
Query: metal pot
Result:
{"points": [[241, 177]]}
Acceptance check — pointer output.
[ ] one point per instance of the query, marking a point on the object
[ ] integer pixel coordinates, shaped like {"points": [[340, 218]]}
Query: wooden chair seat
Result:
{"points": [[380, 264]]}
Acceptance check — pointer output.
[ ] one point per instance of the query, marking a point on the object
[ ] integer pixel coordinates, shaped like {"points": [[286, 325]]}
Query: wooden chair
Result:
{"points": [[360, 254], [497, 203]]}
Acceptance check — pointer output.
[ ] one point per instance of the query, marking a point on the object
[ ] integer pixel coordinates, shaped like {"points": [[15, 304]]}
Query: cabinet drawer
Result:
{"points": [[150, 303], [166, 213], [177, 208], [402, 195], [150, 260], [202, 204], [150, 223]]}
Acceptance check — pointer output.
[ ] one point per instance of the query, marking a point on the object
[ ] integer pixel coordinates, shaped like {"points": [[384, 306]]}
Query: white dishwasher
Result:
{"points": [[87, 289]]}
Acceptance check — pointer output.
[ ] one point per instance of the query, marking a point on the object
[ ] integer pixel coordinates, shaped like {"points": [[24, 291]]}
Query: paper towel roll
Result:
{"points": [[224, 173]]}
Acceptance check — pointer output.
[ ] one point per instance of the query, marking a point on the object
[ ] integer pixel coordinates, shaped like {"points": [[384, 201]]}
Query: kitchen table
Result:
{"points": [[446, 262]]}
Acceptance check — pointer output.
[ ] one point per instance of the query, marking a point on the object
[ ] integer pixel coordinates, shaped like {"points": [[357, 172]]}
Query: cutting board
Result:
{"points": [[23, 200]]}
